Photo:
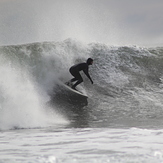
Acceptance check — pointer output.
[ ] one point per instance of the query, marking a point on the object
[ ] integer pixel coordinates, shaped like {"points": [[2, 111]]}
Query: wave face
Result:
{"points": [[127, 83]]}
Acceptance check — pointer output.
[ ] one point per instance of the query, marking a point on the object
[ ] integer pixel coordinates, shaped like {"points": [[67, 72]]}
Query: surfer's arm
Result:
{"points": [[87, 74]]}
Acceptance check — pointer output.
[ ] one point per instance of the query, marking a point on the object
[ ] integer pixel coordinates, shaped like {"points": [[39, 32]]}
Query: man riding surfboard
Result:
{"points": [[75, 71]]}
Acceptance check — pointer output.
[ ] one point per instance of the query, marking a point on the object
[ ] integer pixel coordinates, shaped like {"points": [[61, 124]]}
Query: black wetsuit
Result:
{"points": [[74, 70]]}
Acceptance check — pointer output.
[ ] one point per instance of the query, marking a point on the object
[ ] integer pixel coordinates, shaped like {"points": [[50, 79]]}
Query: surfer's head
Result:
{"points": [[89, 61]]}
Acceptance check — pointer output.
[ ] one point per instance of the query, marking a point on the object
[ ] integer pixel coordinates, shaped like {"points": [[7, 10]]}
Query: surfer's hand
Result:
{"points": [[92, 82]]}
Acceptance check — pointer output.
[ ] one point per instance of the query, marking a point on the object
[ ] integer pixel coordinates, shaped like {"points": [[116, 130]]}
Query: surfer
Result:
{"points": [[75, 71]]}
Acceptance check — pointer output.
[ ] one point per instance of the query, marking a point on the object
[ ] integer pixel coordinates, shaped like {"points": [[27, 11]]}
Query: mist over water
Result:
{"points": [[22, 102]]}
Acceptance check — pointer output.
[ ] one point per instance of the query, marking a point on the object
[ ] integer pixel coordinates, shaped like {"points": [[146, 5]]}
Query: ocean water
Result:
{"points": [[120, 122]]}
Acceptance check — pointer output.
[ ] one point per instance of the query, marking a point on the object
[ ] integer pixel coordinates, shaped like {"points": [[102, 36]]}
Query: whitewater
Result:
{"points": [[121, 121]]}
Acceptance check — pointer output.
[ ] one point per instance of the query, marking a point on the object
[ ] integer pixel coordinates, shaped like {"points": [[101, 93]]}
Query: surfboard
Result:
{"points": [[74, 91]]}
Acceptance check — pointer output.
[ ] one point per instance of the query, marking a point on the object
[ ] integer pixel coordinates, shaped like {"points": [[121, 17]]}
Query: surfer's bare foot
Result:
{"points": [[69, 83], [74, 88]]}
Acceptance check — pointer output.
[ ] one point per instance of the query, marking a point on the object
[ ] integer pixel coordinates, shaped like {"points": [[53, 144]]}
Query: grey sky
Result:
{"points": [[114, 22]]}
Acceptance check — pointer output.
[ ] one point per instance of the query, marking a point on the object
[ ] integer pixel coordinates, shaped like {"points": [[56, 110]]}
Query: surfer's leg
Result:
{"points": [[79, 80], [73, 79], [77, 83], [77, 77], [69, 83], [75, 74]]}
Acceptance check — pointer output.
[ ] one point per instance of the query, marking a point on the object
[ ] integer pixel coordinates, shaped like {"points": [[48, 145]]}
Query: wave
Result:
{"points": [[127, 82]]}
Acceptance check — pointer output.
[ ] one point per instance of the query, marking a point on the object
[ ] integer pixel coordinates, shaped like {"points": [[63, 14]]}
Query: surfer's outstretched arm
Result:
{"points": [[87, 74]]}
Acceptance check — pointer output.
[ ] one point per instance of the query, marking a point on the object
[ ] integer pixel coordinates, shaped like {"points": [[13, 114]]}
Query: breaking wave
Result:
{"points": [[127, 83]]}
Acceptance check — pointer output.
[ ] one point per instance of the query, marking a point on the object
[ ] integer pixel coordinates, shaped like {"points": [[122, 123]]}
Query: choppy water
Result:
{"points": [[92, 145], [120, 122]]}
